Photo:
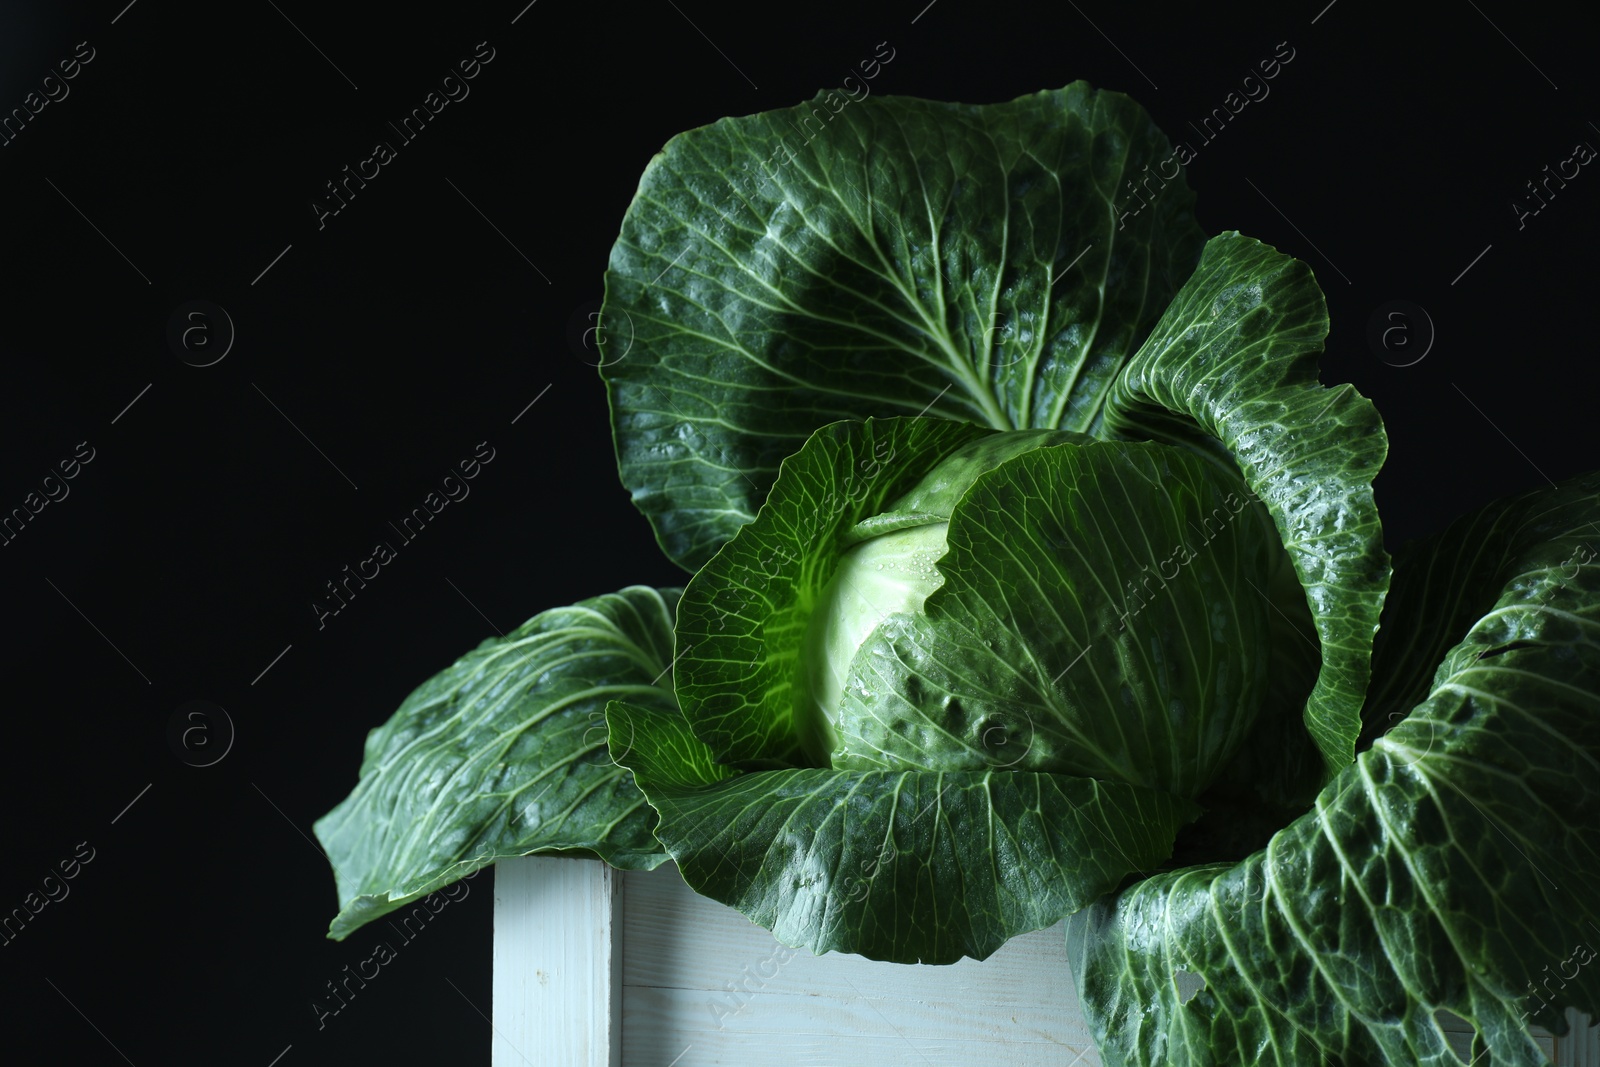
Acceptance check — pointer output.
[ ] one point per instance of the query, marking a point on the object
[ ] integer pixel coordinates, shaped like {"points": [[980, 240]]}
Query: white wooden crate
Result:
{"points": [[595, 967]]}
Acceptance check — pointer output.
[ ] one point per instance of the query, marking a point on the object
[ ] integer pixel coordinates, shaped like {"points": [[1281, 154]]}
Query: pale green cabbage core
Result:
{"points": [[882, 575]]}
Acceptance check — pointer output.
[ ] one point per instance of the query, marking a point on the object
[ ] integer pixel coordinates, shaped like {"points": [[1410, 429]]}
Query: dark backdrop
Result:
{"points": [[371, 354]]}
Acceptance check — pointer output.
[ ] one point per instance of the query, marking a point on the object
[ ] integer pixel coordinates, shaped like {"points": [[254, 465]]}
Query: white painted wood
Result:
{"points": [[700, 985], [556, 963], [1581, 1046], [705, 985]]}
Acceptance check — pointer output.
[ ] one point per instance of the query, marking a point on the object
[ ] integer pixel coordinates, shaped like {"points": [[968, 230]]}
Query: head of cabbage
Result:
{"points": [[1044, 657]]}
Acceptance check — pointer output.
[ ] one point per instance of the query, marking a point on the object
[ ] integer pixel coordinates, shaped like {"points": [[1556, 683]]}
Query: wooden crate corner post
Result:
{"points": [[557, 963]]}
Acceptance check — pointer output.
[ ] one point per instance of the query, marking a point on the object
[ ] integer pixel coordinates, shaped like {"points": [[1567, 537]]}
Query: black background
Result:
{"points": [[408, 329]]}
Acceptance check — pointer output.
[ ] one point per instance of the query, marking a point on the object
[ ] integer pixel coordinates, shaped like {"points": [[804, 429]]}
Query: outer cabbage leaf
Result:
{"points": [[1233, 362], [504, 754], [1453, 867], [895, 256], [901, 866]]}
